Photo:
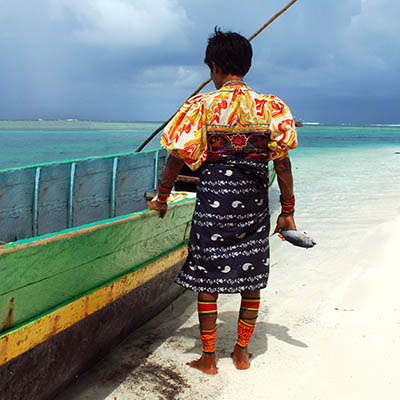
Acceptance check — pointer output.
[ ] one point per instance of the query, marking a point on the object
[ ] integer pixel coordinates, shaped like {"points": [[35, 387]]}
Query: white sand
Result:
{"points": [[329, 324], [328, 329]]}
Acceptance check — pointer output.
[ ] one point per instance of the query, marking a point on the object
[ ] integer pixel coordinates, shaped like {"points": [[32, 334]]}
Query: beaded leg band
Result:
{"points": [[251, 304], [245, 332], [206, 307], [208, 313], [208, 337], [249, 307]]}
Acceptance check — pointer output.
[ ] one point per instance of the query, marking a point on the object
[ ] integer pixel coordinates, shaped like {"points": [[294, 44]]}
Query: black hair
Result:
{"points": [[230, 51]]}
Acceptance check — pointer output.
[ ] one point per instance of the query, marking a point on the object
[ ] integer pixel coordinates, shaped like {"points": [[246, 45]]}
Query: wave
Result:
{"points": [[392, 125]]}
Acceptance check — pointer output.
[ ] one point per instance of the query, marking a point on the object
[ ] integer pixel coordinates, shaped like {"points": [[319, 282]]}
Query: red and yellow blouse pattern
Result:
{"points": [[233, 119]]}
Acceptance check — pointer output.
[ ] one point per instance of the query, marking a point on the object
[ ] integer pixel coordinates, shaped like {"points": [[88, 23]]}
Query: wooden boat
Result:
{"points": [[82, 264]]}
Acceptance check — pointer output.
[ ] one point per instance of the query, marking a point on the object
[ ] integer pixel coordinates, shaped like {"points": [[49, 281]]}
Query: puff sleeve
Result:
{"points": [[283, 136], [185, 135]]}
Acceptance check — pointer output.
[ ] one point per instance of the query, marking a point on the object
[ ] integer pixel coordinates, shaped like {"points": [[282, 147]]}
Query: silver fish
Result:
{"points": [[300, 239]]}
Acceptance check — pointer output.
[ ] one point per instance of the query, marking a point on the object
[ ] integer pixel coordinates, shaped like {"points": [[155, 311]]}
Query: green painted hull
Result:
{"points": [[38, 274], [81, 291], [81, 264]]}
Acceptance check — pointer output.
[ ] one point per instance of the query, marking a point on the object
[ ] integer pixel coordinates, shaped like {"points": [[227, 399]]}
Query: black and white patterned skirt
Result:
{"points": [[229, 246]]}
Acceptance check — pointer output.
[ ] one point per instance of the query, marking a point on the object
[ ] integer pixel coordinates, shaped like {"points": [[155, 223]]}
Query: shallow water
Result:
{"points": [[345, 168], [34, 142]]}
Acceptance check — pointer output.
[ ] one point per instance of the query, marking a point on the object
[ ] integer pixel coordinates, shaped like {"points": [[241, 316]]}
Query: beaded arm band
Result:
{"points": [[287, 205], [163, 194]]}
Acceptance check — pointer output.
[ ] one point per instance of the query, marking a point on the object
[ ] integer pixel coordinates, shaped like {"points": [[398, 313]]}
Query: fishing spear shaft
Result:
{"points": [[255, 34]]}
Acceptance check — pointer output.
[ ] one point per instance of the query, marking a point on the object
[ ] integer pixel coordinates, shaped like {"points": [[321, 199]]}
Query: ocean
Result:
{"points": [[35, 142], [342, 172]]}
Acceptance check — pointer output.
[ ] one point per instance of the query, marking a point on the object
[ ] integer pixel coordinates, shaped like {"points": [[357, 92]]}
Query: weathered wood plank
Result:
{"points": [[16, 201], [75, 247], [40, 277], [44, 326], [92, 193], [67, 354], [53, 198], [135, 177]]}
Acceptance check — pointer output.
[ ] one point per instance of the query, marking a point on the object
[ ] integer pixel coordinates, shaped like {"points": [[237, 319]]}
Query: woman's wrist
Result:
{"points": [[163, 194], [287, 205]]}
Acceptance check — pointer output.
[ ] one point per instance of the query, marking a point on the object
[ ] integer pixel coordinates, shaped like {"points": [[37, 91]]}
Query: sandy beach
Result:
{"points": [[94, 97], [329, 323]]}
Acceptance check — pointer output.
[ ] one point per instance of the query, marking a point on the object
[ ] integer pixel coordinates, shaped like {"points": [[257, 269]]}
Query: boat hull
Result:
{"points": [[47, 368], [82, 267], [74, 294]]}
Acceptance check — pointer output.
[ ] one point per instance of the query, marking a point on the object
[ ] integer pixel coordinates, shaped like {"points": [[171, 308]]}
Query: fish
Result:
{"points": [[297, 238]]}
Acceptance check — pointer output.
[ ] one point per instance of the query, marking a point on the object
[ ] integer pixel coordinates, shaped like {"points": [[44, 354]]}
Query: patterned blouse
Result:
{"points": [[234, 119]]}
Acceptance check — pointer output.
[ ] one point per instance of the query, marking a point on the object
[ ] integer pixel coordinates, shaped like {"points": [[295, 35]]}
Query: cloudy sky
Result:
{"points": [[135, 60]]}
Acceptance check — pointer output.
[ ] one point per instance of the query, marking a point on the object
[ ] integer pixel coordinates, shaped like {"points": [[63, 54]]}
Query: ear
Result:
{"points": [[216, 68]]}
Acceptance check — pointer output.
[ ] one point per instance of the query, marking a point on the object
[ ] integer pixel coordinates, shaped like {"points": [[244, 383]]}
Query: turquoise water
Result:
{"points": [[339, 137], [346, 178], [35, 142]]}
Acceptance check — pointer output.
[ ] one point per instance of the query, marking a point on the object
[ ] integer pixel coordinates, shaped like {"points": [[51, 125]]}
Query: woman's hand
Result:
{"points": [[285, 222], [162, 207], [171, 171]]}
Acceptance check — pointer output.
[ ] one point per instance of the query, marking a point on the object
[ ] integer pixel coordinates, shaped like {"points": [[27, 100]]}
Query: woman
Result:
{"points": [[231, 134]]}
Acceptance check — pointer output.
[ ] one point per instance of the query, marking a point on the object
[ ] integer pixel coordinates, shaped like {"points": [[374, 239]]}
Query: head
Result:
{"points": [[230, 52]]}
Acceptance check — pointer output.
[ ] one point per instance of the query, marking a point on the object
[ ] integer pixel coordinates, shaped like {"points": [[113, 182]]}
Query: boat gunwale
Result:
{"points": [[150, 267], [82, 229], [50, 163]]}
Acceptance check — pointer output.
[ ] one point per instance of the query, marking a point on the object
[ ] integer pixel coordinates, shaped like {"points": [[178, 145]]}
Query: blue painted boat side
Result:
{"points": [[50, 197]]}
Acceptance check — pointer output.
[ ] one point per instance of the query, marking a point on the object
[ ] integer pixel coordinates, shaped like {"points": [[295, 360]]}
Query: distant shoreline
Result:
{"points": [[75, 124]]}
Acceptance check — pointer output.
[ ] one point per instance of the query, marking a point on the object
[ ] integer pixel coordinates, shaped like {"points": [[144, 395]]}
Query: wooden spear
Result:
{"points": [[162, 126]]}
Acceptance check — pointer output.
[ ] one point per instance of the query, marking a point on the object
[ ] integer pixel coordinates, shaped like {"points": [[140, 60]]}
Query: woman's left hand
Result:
{"points": [[285, 222]]}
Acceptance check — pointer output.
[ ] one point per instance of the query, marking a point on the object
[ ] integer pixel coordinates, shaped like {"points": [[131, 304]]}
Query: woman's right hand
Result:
{"points": [[161, 207]]}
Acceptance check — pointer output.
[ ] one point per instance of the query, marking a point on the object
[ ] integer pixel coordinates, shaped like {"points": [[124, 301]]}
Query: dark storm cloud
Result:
{"points": [[132, 60]]}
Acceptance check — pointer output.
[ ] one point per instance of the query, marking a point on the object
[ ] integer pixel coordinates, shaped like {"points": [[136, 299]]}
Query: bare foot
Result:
{"points": [[241, 358], [206, 363]]}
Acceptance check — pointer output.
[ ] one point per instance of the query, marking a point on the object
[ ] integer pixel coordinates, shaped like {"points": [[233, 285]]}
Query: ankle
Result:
{"points": [[240, 349]]}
